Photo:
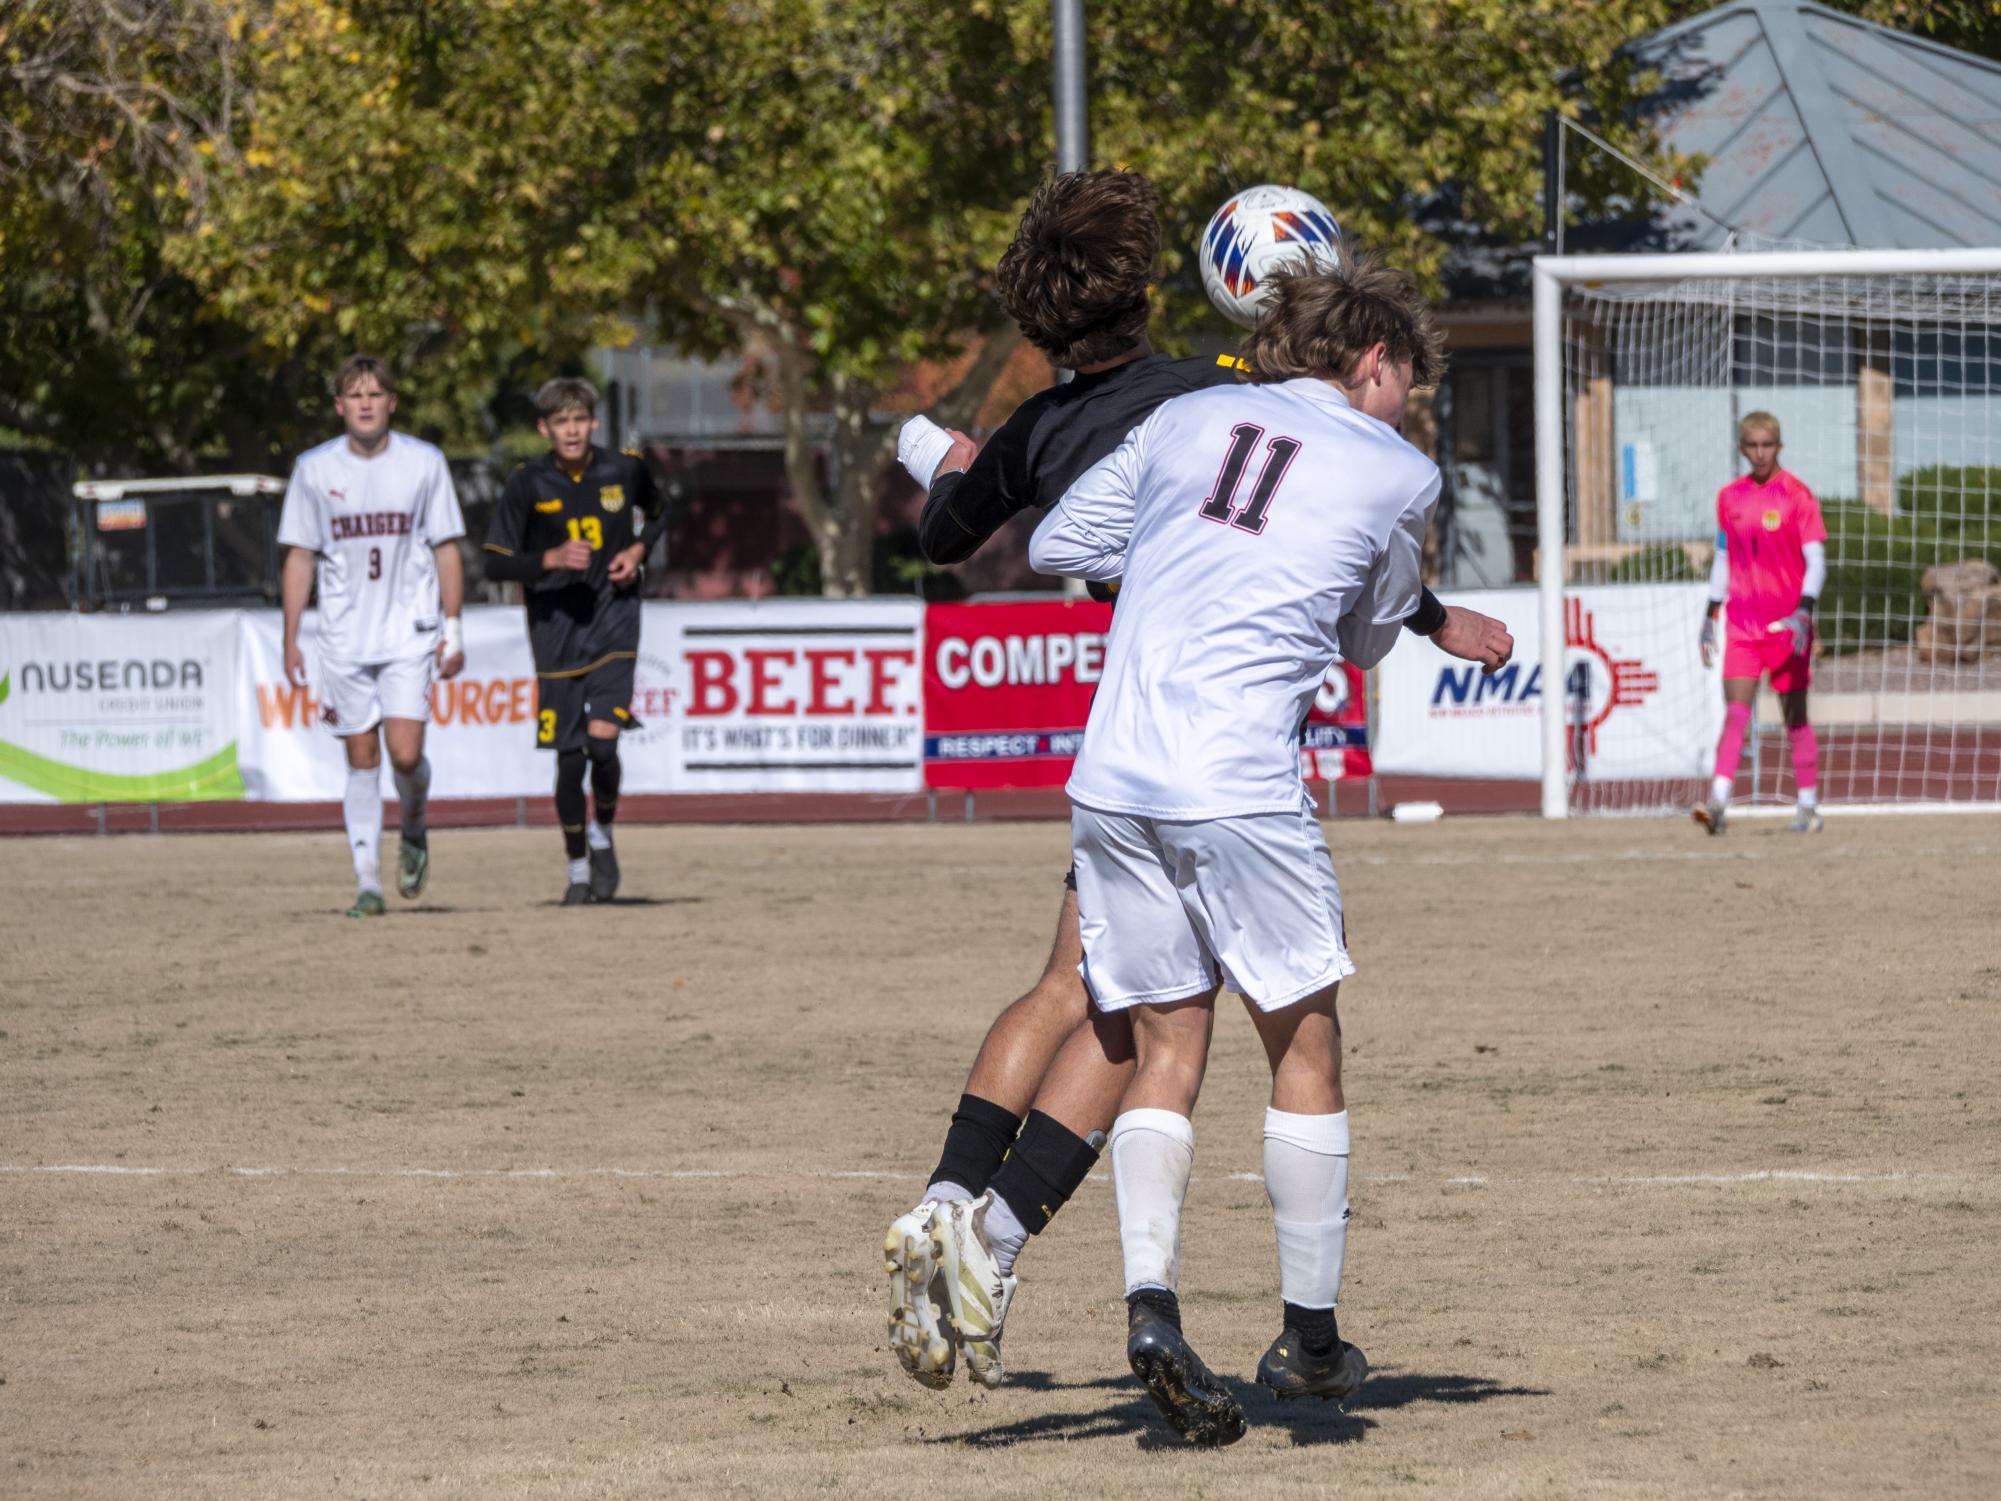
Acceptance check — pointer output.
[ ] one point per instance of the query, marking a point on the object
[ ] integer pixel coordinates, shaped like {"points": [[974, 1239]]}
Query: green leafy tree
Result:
{"points": [[859, 169], [864, 162], [452, 185], [109, 112]]}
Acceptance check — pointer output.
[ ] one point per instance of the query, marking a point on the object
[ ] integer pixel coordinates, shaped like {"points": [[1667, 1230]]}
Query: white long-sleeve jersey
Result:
{"points": [[1260, 531]]}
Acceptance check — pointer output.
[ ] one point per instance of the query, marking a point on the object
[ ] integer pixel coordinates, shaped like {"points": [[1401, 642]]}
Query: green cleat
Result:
{"points": [[413, 868], [367, 904]]}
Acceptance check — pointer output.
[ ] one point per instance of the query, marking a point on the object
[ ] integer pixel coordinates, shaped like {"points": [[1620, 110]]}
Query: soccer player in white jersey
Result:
{"points": [[376, 512], [1260, 531]]}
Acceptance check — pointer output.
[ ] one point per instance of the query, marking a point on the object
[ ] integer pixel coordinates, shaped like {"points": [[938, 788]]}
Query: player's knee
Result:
{"points": [[602, 749], [364, 753], [1057, 1000]]}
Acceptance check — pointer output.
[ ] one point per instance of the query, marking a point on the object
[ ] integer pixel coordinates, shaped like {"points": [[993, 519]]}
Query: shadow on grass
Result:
{"points": [[1306, 1422]]}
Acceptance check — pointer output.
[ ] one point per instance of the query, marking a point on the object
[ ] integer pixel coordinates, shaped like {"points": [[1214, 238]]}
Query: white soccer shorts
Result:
{"points": [[357, 696], [1166, 906]]}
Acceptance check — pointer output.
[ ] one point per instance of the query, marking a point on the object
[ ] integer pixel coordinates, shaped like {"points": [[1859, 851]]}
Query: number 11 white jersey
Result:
{"points": [[1259, 531], [373, 521]]}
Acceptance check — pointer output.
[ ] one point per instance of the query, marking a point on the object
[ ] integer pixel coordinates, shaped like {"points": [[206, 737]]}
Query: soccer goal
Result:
{"points": [[1884, 370]]}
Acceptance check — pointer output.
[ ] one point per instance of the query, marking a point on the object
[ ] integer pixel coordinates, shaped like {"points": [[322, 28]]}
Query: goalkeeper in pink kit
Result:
{"points": [[1771, 563]]}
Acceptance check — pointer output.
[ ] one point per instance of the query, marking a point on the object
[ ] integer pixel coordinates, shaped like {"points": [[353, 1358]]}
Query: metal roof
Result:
{"points": [[1823, 129]]}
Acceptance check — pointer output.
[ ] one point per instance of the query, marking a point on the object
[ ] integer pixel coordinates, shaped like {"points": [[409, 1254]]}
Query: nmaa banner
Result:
{"points": [[1639, 702]]}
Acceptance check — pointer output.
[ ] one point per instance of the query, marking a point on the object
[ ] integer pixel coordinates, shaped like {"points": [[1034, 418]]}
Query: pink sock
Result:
{"points": [[1806, 759], [1730, 749]]}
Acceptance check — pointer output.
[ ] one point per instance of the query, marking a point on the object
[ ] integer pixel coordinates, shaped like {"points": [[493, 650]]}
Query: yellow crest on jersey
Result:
{"points": [[612, 498], [1772, 520], [549, 506]]}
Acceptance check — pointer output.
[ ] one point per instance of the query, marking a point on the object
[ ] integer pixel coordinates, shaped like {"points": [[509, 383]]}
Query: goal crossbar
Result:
{"points": [[1552, 276]]}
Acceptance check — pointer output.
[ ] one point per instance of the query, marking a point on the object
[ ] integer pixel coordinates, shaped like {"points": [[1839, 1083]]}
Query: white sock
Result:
{"points": [[1153, 1151], [1005, 1233], [361, 809], [945, 1190], [580, 870], [595, 836], [1809, 798], [1719, 789], [413, 790], [1306, 1176]]}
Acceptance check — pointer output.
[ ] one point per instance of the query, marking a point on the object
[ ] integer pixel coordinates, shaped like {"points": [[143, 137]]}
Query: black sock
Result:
{"points": [[570, 800], [1046, 1165], [1156, 1300], [605, 773], [977, 1140], [1317, 1331]]}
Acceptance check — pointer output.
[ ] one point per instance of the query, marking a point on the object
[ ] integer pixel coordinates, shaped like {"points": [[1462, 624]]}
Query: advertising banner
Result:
{"points": [[1007, 690], [782, 695], [737, 696], [481, 740], [1335, 742], [1642, 703], [118, 708]]}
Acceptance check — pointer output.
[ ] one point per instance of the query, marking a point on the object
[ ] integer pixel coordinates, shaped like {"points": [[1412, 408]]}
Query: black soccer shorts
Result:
{"points": [[566, 702]]}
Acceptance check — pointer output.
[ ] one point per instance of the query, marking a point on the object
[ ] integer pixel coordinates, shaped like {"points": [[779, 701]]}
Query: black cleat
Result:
{"points": [[1290, 1372], [1197, 1405], [604, 874], [578, 895]]}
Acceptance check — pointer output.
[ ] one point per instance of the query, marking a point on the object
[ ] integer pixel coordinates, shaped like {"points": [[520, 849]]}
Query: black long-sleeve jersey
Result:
{"points": [[1048, 441], [575, 616], [1052, 438]]}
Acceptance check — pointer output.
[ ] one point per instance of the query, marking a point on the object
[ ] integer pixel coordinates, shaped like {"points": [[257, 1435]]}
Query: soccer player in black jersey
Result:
{"points": [[565, 530], [1075, 281]]}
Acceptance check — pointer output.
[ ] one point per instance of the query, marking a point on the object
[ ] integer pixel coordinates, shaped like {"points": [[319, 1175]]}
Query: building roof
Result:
{"points": [[1824, 129]]}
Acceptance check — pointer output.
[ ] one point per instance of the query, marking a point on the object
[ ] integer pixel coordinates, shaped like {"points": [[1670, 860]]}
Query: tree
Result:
{"points": [[108, 112], [866, 159], [859, 169], [451, 185]]}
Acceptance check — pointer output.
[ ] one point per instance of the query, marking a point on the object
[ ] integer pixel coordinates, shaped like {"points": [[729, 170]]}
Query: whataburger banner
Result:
{"points": [[735, 696]]}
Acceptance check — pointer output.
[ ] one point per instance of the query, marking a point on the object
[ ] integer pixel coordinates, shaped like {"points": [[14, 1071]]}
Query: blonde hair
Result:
{"points": [[1758, 422], [1319, 320]]}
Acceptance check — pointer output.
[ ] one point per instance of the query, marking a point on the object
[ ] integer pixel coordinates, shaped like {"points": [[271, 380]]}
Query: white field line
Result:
{"points": [[1818, 844], [1652, 1180]]}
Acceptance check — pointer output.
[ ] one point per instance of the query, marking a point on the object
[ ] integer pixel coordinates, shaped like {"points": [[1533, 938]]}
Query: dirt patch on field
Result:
{"points": [[1678, 1171]]}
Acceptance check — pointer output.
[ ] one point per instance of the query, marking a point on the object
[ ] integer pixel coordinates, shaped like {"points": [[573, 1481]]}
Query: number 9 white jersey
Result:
{"points": [[1260, 531], [373, 521]]}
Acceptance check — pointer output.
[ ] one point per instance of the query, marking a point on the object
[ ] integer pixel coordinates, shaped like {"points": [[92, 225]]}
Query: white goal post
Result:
{"points": [[1642, 360]]}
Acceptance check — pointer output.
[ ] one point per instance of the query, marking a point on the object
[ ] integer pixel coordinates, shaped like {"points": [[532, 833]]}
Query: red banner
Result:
{"points": [[1007, 688], [1335, 742]]}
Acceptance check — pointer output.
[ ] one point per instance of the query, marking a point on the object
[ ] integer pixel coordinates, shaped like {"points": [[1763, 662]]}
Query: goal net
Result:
{"points": [[1886, 380]]}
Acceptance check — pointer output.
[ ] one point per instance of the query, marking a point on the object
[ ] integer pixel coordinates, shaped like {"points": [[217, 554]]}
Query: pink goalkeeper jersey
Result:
{"points": [[1764, 529]]}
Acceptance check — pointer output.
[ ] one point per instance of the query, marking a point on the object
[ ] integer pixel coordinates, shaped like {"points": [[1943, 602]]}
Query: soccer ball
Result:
{"points": [[1252, 235]]}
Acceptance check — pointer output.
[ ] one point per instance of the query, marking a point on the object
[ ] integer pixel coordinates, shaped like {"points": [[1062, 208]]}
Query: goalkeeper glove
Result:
{"points": [[1799, 624], [1707, 641]]}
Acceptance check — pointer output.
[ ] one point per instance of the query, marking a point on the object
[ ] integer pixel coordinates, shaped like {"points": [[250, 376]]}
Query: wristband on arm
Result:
{"points": [[455, 636], [1428, 619]]}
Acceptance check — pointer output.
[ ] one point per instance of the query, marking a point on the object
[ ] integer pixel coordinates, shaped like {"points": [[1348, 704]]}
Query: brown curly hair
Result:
{"points": [[1075, 278], [1319, 320]]}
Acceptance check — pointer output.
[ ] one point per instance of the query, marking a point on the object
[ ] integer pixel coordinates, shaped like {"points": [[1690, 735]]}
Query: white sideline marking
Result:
{"points": [[1652, 1180]]}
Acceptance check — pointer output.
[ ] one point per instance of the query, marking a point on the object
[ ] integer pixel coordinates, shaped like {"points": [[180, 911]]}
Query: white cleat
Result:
{"points": [[1805, 821], [976, 1292], [916, 1328]]}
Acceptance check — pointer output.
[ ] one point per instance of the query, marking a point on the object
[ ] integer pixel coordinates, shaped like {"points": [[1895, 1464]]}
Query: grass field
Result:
{"points": [[1677, 1171]]}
